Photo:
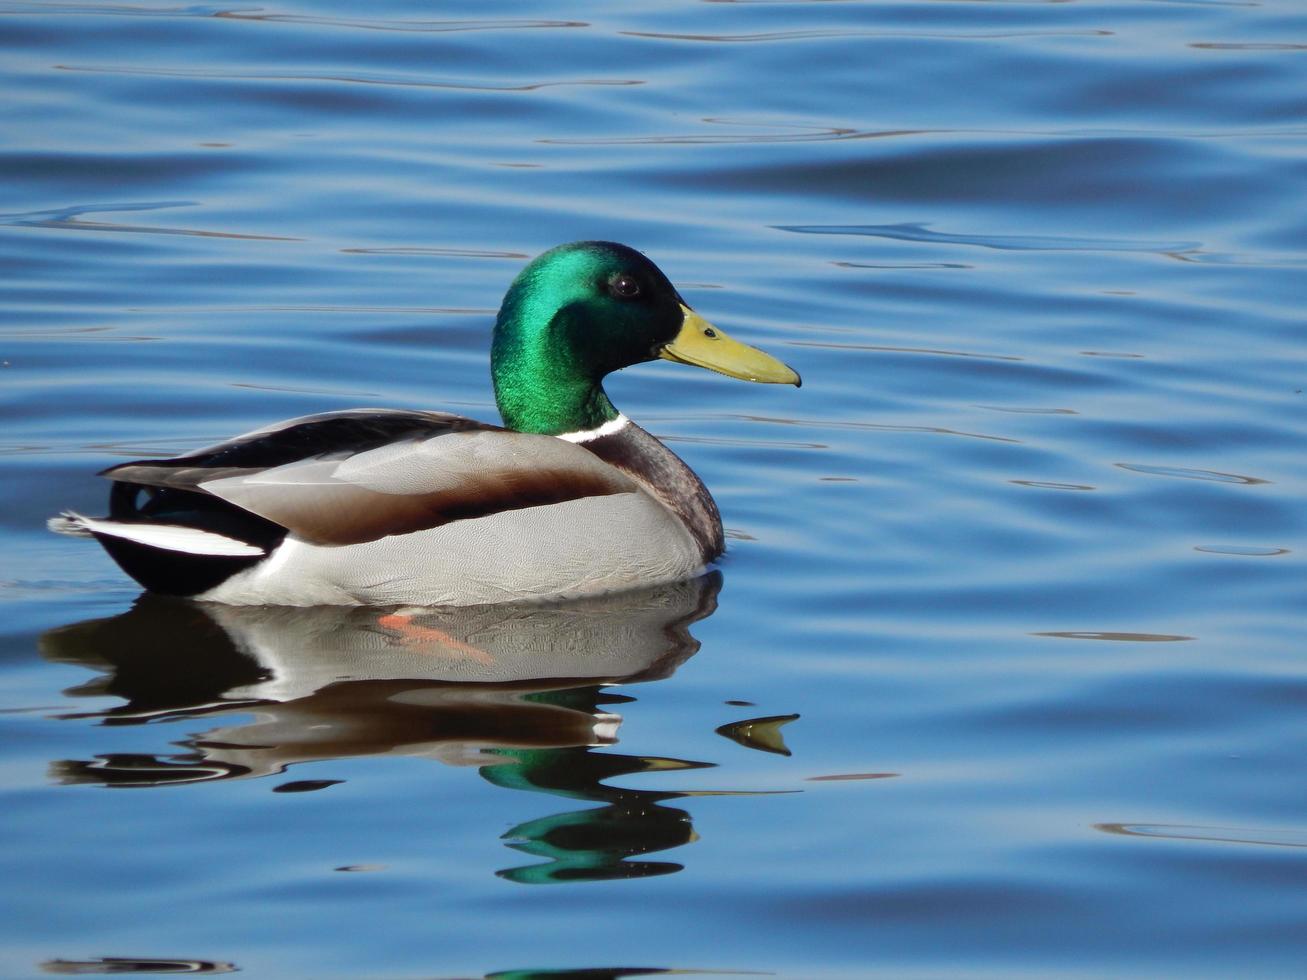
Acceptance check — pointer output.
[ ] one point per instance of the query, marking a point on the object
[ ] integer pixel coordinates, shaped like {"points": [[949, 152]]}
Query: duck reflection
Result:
{"points": [[515, 690]]}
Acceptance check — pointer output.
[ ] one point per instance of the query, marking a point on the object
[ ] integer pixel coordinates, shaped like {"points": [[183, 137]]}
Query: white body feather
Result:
{"points": [[575, 548]]}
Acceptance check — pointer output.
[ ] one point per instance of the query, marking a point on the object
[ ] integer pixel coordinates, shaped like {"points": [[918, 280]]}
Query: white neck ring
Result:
{"points": [[588, 435]]}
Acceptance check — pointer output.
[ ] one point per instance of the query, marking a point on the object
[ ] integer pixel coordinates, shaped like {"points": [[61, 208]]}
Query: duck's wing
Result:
{"points": [[328, 435], [404, 487], [352, 477]]}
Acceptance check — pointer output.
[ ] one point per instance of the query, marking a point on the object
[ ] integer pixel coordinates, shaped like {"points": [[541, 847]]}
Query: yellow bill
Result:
{"points": [[703, 345]]}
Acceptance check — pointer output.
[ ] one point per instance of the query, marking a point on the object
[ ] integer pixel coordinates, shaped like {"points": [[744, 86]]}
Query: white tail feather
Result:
{"points": [[69, 523], [170, 537]]}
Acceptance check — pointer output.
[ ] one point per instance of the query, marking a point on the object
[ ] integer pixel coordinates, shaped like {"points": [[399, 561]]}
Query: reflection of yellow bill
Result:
{"points": [[703, 345]]}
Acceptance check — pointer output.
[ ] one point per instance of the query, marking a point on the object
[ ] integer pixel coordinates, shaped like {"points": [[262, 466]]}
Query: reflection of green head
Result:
{"points": [[592, 844]]}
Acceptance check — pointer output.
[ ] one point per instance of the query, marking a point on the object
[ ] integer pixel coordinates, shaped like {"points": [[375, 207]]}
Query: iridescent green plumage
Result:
{"points": [[575, 314]]}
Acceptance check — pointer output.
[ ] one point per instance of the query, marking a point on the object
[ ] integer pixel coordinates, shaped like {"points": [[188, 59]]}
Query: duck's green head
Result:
{"points": [[581, 311]]}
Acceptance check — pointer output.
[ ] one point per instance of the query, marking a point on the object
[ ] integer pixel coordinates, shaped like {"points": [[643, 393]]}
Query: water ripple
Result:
{"points": [[901, 265], [790, 133], [406, 26], [870, 427], [1218, 835], [1248, 46], [457, 253], [1045, 485], [808, 35], [1114, 636], [1028, 411], [350, 79], [70, 219], [851, 776], [223, 13], [1241, 551], [1186, 473], [920, 232], [904, 350], [309, 308]]}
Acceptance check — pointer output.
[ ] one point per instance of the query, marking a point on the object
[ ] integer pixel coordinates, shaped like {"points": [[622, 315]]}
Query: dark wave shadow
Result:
{"points": [[117, 964], [516, 691], [614, 973], [104, 965]]}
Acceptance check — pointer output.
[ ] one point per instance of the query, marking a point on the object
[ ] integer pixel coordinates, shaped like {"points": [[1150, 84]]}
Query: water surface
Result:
{"points": [[1003, 672]]}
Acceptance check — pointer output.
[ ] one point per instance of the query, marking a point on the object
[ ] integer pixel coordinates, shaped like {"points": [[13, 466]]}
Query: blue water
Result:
{"points": [[1024, 556]]}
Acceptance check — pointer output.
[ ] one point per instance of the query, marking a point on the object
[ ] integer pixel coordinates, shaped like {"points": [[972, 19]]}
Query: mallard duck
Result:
{"points": [[375, 506]]}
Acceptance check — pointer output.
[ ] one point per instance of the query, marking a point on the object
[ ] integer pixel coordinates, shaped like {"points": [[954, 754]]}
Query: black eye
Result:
{"points": [[623, 285]]}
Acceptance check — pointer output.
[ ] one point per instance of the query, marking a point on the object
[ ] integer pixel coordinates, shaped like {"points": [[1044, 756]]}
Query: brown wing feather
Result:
{"points": [[423, 485]]}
